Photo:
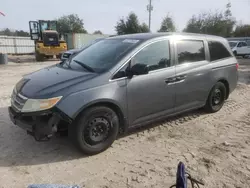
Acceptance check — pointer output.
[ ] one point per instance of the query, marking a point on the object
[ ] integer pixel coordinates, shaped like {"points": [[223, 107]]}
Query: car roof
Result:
{"points": [[147, 36]]}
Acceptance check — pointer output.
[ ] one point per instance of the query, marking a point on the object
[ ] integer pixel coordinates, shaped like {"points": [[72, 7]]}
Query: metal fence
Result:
{"points": [[16, 45], [24, 45], [77, 40]]}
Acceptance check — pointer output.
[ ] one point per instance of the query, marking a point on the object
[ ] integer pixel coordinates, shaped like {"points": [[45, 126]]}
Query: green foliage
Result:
{"points": [[144, 28], [242, 31], [130, 25], [70, 24], [167, 25], [9, 32], [214, 23], [98, 32]]}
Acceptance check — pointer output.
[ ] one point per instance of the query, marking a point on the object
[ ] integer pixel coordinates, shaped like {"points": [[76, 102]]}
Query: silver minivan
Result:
{"points": [[123, 82]]}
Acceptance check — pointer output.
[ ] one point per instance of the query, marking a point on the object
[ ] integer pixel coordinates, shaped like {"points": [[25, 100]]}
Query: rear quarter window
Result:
{"points": [[218, 51]]}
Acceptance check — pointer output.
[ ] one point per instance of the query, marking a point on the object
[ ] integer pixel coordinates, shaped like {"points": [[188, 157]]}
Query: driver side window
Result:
{"points": [[240, 44], [154, 56]]}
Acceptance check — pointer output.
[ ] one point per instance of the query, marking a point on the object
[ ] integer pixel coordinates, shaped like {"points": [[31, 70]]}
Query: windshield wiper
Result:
{"points": [[84, 66]]}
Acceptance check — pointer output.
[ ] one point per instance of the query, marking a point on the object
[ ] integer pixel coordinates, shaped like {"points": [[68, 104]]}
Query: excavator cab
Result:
{"points": [[47, 39]]}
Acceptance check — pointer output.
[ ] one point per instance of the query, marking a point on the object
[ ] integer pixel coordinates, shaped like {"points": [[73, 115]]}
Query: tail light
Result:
{"points": [[237, 66]]}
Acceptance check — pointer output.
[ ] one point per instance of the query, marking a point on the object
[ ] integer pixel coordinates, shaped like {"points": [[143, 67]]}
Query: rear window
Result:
{"points": [[218, 51]]}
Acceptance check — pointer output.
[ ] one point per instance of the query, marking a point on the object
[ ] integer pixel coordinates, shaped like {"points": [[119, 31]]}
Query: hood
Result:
{"points": [[45, 82]]}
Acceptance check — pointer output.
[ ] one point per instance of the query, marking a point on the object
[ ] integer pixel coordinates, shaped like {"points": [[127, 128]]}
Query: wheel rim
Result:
{"points": [[217, 97], [97, 130]]}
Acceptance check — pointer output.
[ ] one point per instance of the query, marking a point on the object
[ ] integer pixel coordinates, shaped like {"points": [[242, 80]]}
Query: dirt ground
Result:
{"points": [[215, 147]]}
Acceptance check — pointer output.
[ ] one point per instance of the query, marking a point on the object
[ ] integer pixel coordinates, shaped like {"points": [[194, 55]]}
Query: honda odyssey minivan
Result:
{"points": [[123, 82]]}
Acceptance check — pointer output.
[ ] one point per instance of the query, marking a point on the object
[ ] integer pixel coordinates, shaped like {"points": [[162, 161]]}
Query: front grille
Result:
{"points": [[17, 100]]}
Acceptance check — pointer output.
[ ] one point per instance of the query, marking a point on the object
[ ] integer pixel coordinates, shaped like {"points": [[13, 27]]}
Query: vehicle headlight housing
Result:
{"points": [[34, 105]]}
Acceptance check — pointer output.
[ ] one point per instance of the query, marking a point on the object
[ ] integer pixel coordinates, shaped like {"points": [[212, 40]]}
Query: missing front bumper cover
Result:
{"points": [[42, 126]]}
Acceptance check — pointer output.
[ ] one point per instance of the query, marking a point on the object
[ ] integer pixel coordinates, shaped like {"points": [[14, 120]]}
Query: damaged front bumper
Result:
{"points": [[42, 125]]}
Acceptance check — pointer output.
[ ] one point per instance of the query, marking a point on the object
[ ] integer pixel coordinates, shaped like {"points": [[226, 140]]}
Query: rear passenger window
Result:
{"points": [[217, 51], [190, 51]]}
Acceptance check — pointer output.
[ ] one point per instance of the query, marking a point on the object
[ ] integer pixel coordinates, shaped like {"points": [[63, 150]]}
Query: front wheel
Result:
{"points": [[39, 57], [95, 130], [216, 98]]}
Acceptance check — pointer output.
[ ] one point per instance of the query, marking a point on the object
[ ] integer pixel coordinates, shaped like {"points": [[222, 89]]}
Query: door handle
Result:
{"points": [[176, 79], [170, 80], [180, 78]]}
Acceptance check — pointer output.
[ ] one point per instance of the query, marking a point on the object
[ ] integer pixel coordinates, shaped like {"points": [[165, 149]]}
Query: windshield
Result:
{"points": [[232, 44], [90, 43], [102, 55]]}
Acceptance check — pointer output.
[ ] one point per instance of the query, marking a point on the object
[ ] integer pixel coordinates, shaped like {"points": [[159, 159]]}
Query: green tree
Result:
{"points": [[70, 24], [167, 25], [9, 32], [22, 33], [242, 31], [144, 28], [98, 32], [215, 23], [130, 25]]}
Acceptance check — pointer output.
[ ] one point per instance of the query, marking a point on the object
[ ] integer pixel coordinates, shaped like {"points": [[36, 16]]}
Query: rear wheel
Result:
{"points": [[216, 98], [95, 130]]}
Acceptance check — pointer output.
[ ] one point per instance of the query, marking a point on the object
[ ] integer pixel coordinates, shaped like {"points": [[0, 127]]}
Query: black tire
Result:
{"points": [[95, 130], [39, 57], [235, 53], [216, 98]]}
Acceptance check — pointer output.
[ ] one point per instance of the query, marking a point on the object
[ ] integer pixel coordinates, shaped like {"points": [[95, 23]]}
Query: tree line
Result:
{"points": [[9, 32], [221, 23]]}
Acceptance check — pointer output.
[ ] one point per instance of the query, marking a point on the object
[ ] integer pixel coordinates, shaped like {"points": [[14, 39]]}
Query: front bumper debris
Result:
{"points": [[42, 125]]}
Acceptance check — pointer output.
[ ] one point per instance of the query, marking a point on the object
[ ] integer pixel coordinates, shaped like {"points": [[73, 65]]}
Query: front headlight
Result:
{"points": [[34, 105]]}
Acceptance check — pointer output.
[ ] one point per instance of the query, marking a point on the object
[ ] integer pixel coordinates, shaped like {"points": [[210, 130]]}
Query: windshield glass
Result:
{"points": [[90, 43], [102, 55], [232, 44]]}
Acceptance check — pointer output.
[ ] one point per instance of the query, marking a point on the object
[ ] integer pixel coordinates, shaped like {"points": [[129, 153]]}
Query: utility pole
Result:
{"points": [[149, 8]]}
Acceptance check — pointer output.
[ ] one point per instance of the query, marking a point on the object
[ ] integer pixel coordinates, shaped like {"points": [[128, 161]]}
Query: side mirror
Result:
{"points": [[138, 69]]}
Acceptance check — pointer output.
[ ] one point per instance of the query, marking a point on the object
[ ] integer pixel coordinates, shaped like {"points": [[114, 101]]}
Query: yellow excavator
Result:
{"points": [[48, 42]]}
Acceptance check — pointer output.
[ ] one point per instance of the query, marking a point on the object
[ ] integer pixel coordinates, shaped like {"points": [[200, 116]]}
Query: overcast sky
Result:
{"points": [[103, 14]]}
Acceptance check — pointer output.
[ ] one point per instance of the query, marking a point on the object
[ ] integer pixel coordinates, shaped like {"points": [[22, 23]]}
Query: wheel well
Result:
{"points": [[226, 85], [115, 108]]}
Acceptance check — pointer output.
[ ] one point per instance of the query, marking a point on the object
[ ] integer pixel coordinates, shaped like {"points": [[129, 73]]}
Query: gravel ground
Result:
{"points": [[215, 147]]}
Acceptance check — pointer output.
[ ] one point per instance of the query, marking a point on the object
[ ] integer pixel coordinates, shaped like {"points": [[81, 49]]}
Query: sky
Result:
{"points": [[104, 14]]}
